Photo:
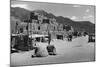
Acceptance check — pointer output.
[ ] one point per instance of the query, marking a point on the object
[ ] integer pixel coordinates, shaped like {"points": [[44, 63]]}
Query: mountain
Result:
{"points": [[23, 14], [20, 13]]}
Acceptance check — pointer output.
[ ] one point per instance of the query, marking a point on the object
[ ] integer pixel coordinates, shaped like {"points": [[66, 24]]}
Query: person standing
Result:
{"points": [[49, 38]]}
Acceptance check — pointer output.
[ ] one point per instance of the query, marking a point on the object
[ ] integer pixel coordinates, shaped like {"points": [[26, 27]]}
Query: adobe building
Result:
{"points": [[39, 24]]}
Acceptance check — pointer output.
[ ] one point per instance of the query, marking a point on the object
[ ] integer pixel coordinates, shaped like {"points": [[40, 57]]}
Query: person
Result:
{"points": [[50, 48], [49, 38]]}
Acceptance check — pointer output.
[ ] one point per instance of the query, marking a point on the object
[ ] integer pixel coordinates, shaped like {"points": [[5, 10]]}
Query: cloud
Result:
{"points": [[76, 6], [87, 10], [73, 17], [88, 16], [19, 5]]}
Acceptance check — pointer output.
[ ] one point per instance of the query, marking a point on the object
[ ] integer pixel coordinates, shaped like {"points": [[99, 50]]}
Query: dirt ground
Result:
{"points": [[79, 50]]}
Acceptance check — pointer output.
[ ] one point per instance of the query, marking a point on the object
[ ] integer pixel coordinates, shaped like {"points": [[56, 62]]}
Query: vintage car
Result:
{"points": [[20, 42]]}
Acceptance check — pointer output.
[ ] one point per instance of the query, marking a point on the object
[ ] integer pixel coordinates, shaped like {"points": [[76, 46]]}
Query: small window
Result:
{"points": [[38, 27]]}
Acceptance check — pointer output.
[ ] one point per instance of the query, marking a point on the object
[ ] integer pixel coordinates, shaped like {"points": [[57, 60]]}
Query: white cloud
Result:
{"points": [[19, 5], [88, 16], [76, 6], [87, 10], [73, 17]]}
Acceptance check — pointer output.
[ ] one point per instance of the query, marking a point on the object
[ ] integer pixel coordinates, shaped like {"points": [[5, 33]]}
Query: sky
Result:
{"points": [[75, 12]]}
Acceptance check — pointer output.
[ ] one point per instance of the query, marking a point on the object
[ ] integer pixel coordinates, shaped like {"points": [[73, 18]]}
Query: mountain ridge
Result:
{"points": [[24, 14]]}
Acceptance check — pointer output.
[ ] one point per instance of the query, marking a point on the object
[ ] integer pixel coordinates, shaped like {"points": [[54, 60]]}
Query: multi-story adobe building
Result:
{"points": [[39, 24]]}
